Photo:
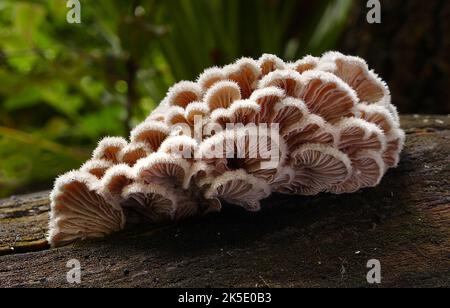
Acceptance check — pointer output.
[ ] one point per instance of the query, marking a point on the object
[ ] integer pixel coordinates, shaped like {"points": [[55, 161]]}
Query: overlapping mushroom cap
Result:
{"points": [[236, 135]]}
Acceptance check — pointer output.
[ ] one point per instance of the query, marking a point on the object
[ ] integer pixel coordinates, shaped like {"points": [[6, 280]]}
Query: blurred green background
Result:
{"points": [[64, 86]]}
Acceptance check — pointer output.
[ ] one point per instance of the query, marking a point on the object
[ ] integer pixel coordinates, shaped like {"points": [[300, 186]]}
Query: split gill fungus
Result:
{"points": [[337, 132]]}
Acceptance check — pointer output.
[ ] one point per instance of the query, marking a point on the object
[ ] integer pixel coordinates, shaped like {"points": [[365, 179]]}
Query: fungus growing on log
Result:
{"points": [[236, 135]]}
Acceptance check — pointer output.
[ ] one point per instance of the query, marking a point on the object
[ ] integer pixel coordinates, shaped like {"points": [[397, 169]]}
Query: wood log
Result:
{"points": [[322, 241]]}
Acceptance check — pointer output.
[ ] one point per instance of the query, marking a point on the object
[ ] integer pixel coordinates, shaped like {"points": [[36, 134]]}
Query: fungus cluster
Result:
{"points": [[332, 128]]}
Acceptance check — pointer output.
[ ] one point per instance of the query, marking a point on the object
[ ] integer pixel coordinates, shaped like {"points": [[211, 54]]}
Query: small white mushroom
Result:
{"points": [[151, 133], [308, 63], [246, 73], [184, 93], [269, 63], [240, 188], [78, 211], [355, 72], [96, 167], [287, 80], [222, 95], [108, 149], [327, 95]]}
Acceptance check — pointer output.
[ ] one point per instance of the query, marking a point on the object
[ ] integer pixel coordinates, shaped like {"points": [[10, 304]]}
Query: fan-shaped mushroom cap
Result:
{"points": [[317, 169], [108, 148], [242, 111], [159, 113], [311, 129], [253, 149], [284, 176], [114, 182], [78, 211], [240, 188], [175, 115], [269, 63], [378, 115], [288, 112], [246, 73], [198, 172], [96, 167], [134, 152], [395, 144], [392, 109], [327, 96], [357, 135], [355, 72], [184, 93], [266, 98], [196, 109], [210, 76], [152, 202], [163, 169], [181, 146], [368, 169], [287, 80], [308, 63], [222, 95], [151, 133]]}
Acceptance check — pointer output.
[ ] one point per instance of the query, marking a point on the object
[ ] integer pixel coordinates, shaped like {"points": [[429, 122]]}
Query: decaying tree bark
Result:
{"points": [[325, 241]]}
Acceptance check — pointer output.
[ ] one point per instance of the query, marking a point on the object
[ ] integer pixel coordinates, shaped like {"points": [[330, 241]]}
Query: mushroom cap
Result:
{"points": [[395, 145], [239, 188], [317, 168], [269, 63], [79, 211], [357, 135], [114, 182], [222, 94], [152, 133], [311, 129], [134, 152], [379, 115], [182, 146], [184, 93], [368, 169], [355, 72], [163, 169], [241, 111], [246, 73], [266, 98], [209, 77], [96, 167], [327, 96], [153, 203], [108, 149], [256, 150], [307, 63], [287, 80], [288, 112]]}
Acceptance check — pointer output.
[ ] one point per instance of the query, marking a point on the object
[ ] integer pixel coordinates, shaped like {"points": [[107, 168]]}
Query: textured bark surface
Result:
{"points": [[323, 241], [410, 49]]}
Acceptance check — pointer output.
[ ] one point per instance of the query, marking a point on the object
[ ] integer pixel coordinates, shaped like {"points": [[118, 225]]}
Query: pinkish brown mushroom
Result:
{"points": [[237, 134]]}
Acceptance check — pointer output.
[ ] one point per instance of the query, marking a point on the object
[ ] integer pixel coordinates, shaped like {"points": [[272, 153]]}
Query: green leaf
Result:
{"points": [[25, 99]]}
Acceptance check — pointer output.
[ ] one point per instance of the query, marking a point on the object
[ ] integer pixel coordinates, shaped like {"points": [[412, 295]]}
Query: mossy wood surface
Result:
{"points": [[323, 241]]}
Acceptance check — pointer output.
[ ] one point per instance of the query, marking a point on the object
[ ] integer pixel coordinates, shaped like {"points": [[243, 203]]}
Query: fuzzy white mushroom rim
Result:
{"points": [[336, 131]]}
